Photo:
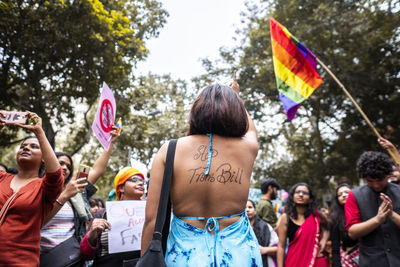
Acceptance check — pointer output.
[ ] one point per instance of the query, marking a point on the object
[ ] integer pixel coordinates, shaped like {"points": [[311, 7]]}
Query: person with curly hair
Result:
{"points": [[306, 229], [344, 249], [372, 212]]}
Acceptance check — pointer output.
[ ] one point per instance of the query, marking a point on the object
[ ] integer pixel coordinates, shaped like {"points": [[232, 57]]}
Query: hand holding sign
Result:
{"points": [[98, 226], [105, 117], [127, 219]]}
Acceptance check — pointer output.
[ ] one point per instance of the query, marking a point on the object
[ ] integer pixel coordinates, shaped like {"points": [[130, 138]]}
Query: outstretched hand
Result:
{"points": [[234, 84], [34, 125], [74, 186], [386, 144]]}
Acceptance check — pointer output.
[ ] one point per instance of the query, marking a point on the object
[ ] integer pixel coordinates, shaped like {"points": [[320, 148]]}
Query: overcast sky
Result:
{"points": [[195, 29]]}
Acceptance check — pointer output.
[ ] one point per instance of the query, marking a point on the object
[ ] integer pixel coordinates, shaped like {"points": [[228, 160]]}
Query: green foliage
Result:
{"points": [[158, 112], [54, 55], [360, 42]]}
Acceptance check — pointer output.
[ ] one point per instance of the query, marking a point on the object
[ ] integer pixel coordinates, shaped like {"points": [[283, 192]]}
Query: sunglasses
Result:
{"points": [[135, 179]]}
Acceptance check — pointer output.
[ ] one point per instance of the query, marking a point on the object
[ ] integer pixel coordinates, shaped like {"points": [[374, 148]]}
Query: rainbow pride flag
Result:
{"points": [[295, 68], [119, 127]]}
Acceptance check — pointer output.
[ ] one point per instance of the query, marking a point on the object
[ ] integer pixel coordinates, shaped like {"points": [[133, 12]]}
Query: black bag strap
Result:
{"points": [[161, 227]]}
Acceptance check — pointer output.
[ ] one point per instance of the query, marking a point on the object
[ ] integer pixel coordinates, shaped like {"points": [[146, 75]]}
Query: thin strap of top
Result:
{"points": [[212, 222], [205, 218], [209, 155]]}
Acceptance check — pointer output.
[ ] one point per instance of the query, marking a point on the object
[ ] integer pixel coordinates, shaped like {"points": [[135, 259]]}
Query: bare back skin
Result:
{"points": [[224, 191]]}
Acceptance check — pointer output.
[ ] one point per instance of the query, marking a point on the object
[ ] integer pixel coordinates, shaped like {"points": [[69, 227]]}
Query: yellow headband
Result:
{"points": [[123, 175]]}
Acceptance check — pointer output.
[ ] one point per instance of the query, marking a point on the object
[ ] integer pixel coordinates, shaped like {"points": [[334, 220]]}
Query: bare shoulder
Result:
{"points": [[251, 141], [162, 152], [284, 219]]}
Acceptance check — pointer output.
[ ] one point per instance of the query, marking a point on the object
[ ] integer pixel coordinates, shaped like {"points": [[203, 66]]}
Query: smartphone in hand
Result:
{"points": [[12, 117], [83, 172]]}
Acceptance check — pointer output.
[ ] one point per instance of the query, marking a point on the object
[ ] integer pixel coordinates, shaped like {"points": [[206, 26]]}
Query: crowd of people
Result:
{"points": [[46, 209]]}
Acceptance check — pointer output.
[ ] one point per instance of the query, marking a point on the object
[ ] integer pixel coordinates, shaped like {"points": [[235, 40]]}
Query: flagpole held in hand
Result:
{"points": [[355, 104]]}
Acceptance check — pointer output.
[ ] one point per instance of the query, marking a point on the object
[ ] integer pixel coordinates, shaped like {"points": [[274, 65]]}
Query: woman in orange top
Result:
{"points": [[32, 197]]}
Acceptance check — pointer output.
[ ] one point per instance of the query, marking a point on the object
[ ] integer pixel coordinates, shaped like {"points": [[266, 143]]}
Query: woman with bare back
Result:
{"points": [[210, 185]]}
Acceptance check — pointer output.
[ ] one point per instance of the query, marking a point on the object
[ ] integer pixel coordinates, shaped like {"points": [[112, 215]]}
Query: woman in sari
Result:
{"points": [[301, 224]]}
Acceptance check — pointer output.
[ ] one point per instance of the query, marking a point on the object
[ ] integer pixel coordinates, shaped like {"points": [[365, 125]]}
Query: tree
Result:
{"points": [[54, 55], [159, 111], [359, 41]]}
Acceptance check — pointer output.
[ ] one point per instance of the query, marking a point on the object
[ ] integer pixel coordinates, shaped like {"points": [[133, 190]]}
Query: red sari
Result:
{"points": [[303, 249]]}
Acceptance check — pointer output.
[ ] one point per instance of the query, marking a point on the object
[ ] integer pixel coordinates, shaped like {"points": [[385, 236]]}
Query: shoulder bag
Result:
{"points": [[154, 255], [66, 254]]}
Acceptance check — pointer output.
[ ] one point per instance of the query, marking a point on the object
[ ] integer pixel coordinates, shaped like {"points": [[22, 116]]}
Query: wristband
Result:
{"points": [[59, 202]]}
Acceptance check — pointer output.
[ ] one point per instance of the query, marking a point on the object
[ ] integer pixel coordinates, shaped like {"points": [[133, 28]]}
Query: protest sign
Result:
{"points": [[126, 218], [11, 117], [105, 117]]}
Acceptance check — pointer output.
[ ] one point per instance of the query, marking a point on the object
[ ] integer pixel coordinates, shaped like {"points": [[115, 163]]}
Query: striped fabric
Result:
{"points": [[58, 229], [104, 243], [295, 68]]}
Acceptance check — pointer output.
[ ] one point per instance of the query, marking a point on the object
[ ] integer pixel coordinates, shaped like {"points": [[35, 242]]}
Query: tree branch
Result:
{"points": [[87, 136], [11, 143]]}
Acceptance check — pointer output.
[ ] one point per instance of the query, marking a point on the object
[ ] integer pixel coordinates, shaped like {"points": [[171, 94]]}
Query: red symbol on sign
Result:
{"points": [[106, 115]]}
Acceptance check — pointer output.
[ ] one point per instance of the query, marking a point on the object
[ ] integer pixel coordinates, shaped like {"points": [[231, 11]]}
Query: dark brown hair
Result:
{"points": [[218, 110]]}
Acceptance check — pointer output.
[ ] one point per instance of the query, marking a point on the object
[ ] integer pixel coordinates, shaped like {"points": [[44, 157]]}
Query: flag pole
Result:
{"points": [[355, 104]]}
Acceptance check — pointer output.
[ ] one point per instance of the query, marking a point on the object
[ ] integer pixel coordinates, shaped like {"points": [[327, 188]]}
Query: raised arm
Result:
{"points": [[153, 197], [251, 135], [100, 166], [49, 157]]}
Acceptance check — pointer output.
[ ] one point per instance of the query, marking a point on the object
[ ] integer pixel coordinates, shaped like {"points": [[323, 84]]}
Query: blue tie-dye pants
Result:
{"points": [[236, 245]]}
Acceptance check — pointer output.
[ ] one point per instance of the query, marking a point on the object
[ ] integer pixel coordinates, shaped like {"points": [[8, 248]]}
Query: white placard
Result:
{"points": [[126, 218]]}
